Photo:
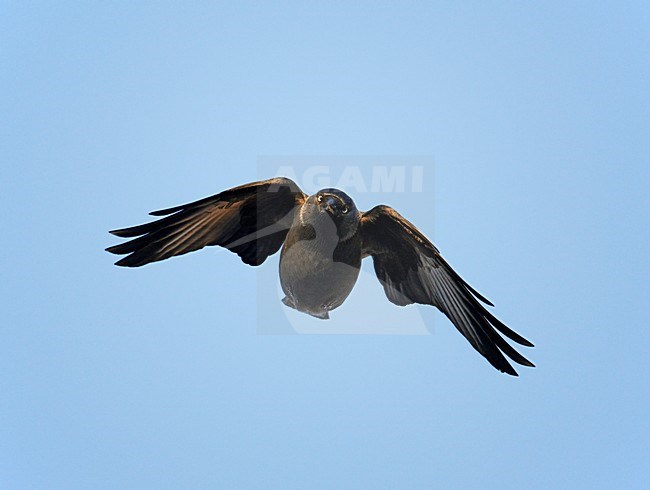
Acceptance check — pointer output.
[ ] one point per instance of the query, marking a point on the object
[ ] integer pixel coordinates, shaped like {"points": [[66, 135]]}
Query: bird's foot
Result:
{"points": [[321, 315], [289, 302]]}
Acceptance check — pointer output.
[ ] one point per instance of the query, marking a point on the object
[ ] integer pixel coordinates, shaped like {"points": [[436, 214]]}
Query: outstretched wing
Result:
{"points": [[251, 220], [412, 271]]}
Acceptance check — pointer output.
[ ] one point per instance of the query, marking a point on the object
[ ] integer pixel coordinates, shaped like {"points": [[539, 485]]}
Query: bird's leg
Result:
{"points": [[321, 315], [289, 302]]}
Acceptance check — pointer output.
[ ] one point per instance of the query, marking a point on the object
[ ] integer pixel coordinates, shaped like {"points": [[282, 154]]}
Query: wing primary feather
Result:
{"points": [[462, 281], [505, 330], [474, 329], [508, 349]]}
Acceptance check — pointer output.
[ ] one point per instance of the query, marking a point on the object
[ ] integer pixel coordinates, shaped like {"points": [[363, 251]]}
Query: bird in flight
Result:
{"points": [[324, 238]]}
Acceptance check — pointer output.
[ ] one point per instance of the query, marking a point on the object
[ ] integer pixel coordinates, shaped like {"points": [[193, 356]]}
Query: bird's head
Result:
{"points": [[339, 208], [335, 202]]}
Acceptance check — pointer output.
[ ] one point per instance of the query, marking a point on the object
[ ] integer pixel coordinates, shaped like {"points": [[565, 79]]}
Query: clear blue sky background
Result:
{"points": [[538, 119]]}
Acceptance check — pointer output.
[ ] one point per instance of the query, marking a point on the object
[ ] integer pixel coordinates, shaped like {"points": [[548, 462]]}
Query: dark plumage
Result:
{"points": [[324, 237]]}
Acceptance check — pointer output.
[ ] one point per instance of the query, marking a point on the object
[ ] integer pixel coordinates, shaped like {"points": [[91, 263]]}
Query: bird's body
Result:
{"points": [[324, 238], [317, 268]]}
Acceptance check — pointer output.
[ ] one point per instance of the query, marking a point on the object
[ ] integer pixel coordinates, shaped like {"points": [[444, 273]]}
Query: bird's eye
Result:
{"points": [[320, 198], [345, 210]]}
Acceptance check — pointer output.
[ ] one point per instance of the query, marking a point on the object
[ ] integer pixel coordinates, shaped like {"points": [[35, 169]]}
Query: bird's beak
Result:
{"points": [[328, 204]]}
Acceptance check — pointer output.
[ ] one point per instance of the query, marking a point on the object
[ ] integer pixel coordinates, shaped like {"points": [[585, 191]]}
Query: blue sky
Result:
{"points": [[537, 118]]}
